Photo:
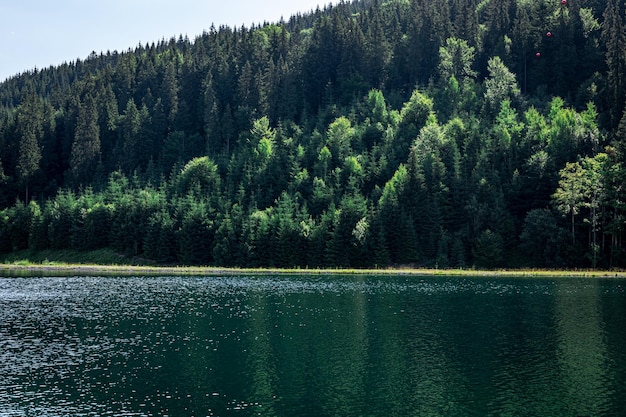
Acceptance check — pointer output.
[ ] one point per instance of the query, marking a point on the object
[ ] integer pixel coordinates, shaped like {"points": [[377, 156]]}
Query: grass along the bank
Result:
{"points": [[108, 262]]}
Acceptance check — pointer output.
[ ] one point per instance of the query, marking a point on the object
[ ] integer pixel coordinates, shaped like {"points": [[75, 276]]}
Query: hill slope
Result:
{"points": [[448, 133]]}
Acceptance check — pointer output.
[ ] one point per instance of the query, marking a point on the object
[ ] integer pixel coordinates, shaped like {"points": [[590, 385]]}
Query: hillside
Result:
{"points": [[447, 133]]}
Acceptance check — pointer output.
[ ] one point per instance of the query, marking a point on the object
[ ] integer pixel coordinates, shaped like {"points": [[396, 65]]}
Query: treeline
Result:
{"points": [[440, 133]]}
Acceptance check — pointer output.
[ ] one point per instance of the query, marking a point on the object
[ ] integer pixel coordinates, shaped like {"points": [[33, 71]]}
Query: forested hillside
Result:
{"points": [[447, 133]]}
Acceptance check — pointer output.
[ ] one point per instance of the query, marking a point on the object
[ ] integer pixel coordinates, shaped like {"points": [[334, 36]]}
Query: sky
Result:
{"points": [[41, 33]]}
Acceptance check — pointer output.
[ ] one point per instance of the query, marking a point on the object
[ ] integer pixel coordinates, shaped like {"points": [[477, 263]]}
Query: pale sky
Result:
{"points": [[40, 33]]}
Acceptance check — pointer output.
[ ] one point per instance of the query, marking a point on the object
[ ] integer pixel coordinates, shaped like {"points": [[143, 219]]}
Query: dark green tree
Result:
{"points": [[542, 239], [86, 144], [489, 249], [30, 131], [614, 37], [196, 235]]}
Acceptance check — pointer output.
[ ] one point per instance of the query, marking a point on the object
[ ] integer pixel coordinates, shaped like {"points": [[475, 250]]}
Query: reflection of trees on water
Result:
{"points": [[348, 353], [261, 357], [307, 352], [581, 352], [350, 346]]}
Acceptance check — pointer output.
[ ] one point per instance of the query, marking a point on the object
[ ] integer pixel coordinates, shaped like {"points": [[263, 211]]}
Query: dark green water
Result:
{"points": [[312, 346]]}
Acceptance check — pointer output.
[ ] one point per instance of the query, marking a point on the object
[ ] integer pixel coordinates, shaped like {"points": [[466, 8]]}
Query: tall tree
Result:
{"points": [[30, 131], [134, 147], [614, 37], [169, 92], [86, 145], [569, 197], [211, 116], [456, 58], [500, 85]]}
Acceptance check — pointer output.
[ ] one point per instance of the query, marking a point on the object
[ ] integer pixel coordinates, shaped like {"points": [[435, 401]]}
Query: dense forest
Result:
{"points": [[435, 133]]}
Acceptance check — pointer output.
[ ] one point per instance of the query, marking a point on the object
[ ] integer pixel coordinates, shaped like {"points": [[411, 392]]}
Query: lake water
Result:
{"points": [[312, 346]]}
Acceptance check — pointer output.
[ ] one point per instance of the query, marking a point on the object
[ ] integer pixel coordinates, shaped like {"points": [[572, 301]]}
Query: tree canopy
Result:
{"points": [[368, 133]]}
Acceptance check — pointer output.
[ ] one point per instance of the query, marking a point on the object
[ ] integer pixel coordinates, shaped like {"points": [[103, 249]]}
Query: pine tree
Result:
{"points": [[377, 47], [86, 145], [614, 37], [38, 233], [170, 89], [500, 85], [127, 150], [30, 131], [456, 59], [196, 235], [466, 21], [211, 116]]}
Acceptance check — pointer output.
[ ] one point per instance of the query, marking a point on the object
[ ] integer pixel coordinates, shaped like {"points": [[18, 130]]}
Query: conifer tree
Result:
{"points": [[30, 131], [211, 116], [614, 37], [128, 146], [500, 85], [86, 145]]}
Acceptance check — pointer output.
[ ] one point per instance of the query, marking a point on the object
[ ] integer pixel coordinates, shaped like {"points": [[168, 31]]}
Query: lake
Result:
{"points": [[312, 346]]}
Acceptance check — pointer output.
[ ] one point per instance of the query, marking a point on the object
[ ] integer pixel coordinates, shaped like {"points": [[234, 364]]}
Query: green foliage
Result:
{"points": [[543, 240], [377, 106], [364, 134], [59, 216], [417, 110], [17, 225], [95, 219], [199, 177], [196, 235], [29, 126], [258, 235], [86, 145], [228, 250], [161, 240], [38, 234], [456, 59], [339, 137], [489, 249], [500, 85], [614, 35]]}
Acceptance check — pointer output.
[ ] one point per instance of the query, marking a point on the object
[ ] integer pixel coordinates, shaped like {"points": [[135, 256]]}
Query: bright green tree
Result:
{"points": [[569, 196], [500, 85], [199, 177], [456, 59]]}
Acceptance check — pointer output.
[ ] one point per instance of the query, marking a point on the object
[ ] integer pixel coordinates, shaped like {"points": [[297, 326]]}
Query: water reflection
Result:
{"points": [[311, 346], [582, 351]]}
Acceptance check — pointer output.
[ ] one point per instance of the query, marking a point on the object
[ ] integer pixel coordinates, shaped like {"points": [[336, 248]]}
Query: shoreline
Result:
{"points": [[63, 269]]}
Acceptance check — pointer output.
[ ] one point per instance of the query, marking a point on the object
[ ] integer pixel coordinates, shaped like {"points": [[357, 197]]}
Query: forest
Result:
{"points": [[425, 133]]}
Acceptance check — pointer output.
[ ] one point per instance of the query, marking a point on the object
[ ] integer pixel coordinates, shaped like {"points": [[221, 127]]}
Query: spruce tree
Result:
{"points": [[86, 145], [30, 131], [614, 37]]}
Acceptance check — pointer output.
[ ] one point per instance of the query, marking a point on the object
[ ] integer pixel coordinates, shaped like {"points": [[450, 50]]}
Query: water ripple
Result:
{"points": [[318, 345]]}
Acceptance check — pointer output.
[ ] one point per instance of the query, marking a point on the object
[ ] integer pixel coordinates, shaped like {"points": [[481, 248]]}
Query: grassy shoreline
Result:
{"points": [[108, 263], [59, 269], [66, 269]]}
